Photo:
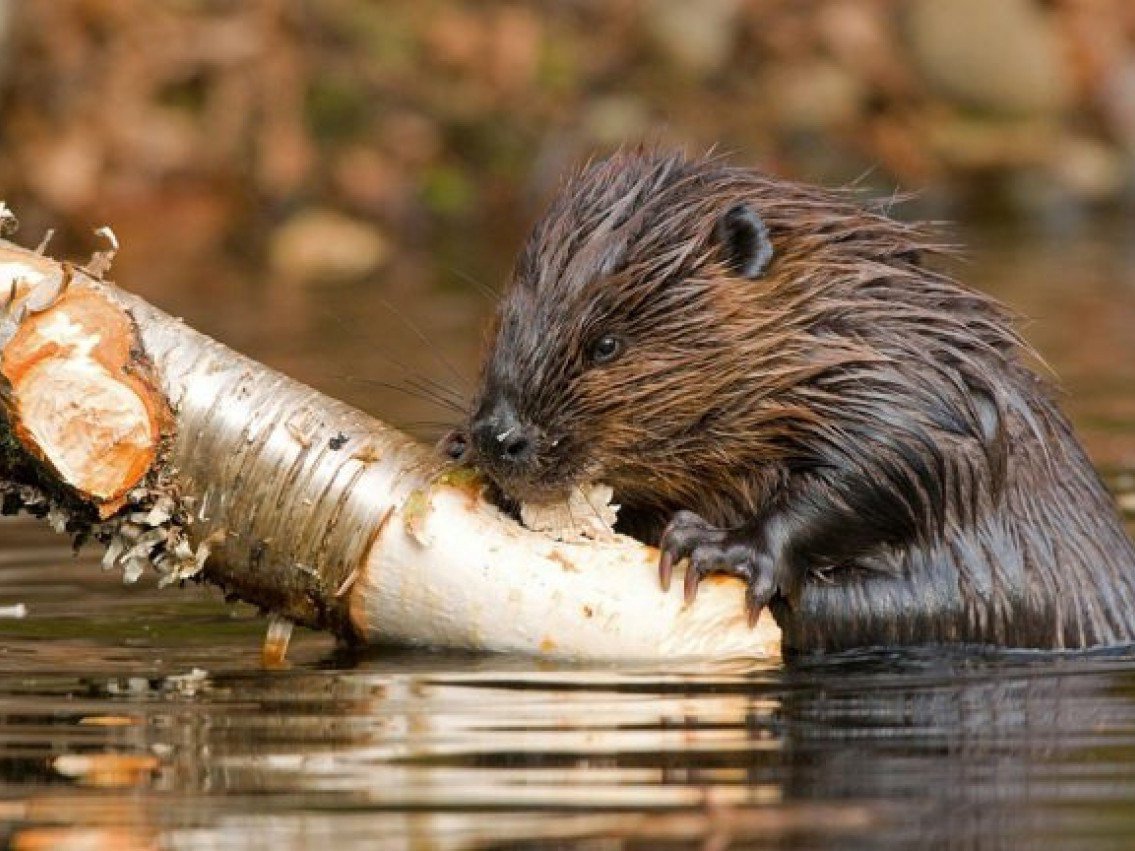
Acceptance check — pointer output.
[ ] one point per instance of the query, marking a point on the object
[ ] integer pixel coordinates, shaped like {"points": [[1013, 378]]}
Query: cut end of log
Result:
{"points": [[75, 386]]}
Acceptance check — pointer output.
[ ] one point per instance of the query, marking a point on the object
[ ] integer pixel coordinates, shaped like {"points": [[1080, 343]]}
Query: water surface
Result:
{"points": [[132, 718]]}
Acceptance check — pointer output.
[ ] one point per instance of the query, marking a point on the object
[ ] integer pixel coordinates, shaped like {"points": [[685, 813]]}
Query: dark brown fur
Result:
{"points": [[867, 427]]}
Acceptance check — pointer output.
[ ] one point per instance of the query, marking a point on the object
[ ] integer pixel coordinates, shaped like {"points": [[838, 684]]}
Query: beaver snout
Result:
{"points": [[502, 439]]}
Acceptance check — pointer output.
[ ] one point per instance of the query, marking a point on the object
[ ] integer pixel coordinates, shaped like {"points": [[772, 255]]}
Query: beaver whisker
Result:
{"points": [[417, 392], [430, 345]]}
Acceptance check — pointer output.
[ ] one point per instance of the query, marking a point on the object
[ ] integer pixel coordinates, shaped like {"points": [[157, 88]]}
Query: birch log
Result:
{"points": [[119, 422]]}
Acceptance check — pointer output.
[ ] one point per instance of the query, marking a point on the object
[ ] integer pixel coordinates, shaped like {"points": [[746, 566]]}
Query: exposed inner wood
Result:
{"points": [[76, 399]]}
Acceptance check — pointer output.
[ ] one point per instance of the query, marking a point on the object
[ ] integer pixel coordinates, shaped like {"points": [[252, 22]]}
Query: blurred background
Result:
{"points": [[315, 181], [233, 118], [336, 187]]}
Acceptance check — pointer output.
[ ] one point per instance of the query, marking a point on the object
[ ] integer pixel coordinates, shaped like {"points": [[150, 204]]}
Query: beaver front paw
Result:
{"points": [[731, 552]]}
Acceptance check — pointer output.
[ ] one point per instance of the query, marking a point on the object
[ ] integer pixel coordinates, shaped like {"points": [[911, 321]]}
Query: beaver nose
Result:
{"points": [[501, 436]]}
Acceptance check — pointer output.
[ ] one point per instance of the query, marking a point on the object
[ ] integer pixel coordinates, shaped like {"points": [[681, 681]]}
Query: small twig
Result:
{"points": [[41, 249], [100, 261]]}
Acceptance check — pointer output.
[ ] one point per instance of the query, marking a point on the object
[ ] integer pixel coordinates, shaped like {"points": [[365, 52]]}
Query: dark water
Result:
{"points": [[131, 718]]}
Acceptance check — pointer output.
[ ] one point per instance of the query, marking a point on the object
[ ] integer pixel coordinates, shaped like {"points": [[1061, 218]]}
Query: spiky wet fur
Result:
{"points": [[849, 375]]}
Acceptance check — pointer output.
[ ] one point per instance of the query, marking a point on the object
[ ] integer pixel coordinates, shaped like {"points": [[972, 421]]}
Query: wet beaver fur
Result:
{"points": [[770, 376]]}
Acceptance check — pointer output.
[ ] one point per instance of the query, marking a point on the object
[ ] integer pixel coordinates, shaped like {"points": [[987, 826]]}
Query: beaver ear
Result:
{"points": [[744, 241]]}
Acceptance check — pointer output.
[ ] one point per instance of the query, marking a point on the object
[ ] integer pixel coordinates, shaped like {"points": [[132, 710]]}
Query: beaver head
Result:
{"points": [[674, 324]]}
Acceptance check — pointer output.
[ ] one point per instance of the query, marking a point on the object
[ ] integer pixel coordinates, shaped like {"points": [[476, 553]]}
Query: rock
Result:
{"points": [[614, 119], [698, 36], [814, 96], [860, 37], [326, 244], [1003, 56], [67, 170], [1090, 169], [855, 33]]}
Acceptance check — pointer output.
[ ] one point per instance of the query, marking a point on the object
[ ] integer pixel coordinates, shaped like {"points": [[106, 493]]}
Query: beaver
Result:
{"points": [[781, 384]]}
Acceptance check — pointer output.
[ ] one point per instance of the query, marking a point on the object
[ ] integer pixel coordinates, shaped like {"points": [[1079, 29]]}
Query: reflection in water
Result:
{"points": [[443, 751], [137, 719], [1013, 750], [461, 752]]}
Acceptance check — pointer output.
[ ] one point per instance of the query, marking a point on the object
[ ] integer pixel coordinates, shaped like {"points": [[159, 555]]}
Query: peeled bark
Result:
{"points": [[176, 451]]}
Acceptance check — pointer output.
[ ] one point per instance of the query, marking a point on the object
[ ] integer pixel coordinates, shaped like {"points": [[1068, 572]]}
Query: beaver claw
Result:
{"points": [[711, 550]]}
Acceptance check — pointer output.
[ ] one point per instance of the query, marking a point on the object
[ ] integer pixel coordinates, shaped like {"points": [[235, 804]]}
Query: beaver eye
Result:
{"points": [[606, 349]]}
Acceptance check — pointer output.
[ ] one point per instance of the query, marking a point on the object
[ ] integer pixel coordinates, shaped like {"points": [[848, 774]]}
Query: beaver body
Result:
{"points": [[779, 387]]}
